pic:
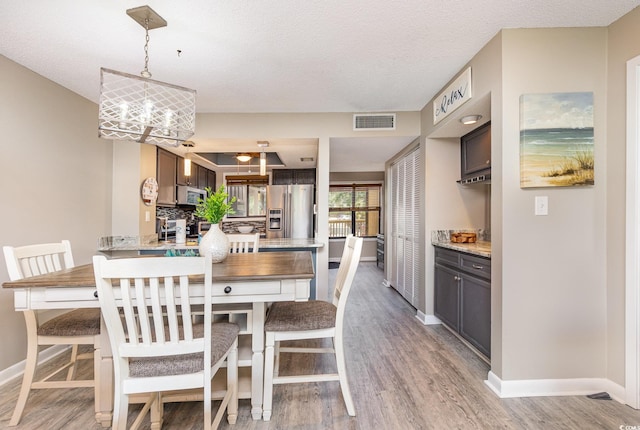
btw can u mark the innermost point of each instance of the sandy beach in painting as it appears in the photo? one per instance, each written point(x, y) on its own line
point(556, 157)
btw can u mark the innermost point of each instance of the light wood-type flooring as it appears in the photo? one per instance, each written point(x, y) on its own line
point(404, 375)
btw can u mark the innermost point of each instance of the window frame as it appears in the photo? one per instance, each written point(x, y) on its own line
point(353, 208)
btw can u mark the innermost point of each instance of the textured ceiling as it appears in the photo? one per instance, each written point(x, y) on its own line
point(280, 55)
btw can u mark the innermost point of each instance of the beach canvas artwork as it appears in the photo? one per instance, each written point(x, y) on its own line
point(556, 140)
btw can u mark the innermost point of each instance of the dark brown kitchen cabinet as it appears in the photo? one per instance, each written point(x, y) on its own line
point(166, 177)
point(211, 179)
point(202, 181)
point(462, 296)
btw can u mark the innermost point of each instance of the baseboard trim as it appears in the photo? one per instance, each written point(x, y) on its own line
point(553, 387)
point(17, 370)
point(427, 319)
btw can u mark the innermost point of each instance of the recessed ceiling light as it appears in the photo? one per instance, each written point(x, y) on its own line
point(470, 119)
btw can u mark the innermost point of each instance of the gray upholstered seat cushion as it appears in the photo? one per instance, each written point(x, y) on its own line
point(80, 322)
point(222, 337)
point(298, 316)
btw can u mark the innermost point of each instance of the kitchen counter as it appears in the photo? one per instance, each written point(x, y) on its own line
point(481, 248)
point(131, 246)
point(150, 243)
point(290, 243)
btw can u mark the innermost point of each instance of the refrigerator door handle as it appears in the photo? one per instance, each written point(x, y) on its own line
point(287, 214)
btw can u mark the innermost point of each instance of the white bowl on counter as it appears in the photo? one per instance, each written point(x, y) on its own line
point(245, 229)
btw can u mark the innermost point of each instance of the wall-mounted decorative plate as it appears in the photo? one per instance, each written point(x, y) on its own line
point(149, 191)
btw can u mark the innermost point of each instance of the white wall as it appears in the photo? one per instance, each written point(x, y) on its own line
point(622, 46)
point(55, 175)
point(552, 283)
point(553, 267)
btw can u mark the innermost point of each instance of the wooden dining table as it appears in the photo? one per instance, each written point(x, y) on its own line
point(253, 279)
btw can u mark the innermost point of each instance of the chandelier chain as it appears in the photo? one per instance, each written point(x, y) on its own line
point(145, 73)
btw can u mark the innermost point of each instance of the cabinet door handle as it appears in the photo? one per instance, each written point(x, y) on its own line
point(477, 266)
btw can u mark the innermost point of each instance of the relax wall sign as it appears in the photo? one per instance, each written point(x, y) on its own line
point(454, 96)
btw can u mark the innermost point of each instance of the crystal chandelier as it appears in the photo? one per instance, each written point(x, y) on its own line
point(141, 109)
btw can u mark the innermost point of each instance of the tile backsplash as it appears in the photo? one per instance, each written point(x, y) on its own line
point(227, 226)
point(445, 235)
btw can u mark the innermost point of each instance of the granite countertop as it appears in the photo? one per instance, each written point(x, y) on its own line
point(151, 243)
point(290, 243)
point(481, 248)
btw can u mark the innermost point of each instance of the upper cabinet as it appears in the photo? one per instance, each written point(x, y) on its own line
point(170, 172)
point(475, 155)
point(293, 176)
point(166, 177)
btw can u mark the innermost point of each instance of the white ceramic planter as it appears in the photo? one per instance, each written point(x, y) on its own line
point(216, 243)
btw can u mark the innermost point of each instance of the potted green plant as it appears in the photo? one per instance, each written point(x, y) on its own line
point(215, 206)
point(213, 209)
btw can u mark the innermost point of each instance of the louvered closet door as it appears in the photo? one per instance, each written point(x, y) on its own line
point(405, 214)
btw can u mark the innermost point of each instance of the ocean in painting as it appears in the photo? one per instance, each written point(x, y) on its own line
point(556, 157)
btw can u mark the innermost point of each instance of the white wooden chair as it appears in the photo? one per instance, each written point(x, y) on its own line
point(77, 327)
point(311, 320)
point(157, 347)
point(241, 243)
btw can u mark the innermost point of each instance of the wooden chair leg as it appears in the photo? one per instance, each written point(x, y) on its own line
point(157, 411)
point(276, 366)
point(97, 389)
point(232, 384)
point(267, 398)
point(71, 374)
point(120, 407)
point(30, 366)
point(342, 375)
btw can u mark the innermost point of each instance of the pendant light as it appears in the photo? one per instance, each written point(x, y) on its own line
point(187, 158)
point(140, 109)
point(263, 157)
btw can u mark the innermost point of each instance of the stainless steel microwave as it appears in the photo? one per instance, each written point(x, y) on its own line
point(189, 195)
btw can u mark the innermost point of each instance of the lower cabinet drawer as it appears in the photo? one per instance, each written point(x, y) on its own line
point(477, 266)
point(249, 289)
point(70, 294)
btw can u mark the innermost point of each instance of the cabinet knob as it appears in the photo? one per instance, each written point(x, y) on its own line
point(456, 278)
point(488, 162)
point(227, 289)
point(95, 294)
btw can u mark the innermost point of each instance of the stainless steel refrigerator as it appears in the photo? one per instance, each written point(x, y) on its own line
point(290, 211)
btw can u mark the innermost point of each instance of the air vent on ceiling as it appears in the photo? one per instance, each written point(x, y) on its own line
point(374, 121)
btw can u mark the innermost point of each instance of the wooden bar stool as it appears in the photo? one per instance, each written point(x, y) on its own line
point(77, 327)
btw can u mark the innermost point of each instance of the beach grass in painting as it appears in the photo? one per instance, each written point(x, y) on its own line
point(556, 140)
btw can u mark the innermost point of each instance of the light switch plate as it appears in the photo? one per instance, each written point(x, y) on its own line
point(542, 205)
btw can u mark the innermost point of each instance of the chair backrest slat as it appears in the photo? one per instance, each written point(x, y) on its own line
point(154, 296)
point(242, 243)
point(185, 307)
point(33, 260)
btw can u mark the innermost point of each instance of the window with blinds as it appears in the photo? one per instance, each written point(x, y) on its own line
point(250, 192)
point(403, 242)
point(354, 209)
